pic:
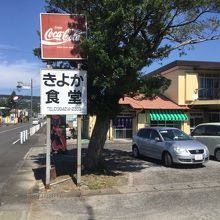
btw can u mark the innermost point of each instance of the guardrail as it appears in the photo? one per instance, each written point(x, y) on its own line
point(34, 129)
point(25, 134)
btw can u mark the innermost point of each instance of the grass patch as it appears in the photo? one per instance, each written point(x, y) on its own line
point(95, 182)
point(102, 177)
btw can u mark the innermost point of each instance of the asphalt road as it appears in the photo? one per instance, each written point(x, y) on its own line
point(11, 151)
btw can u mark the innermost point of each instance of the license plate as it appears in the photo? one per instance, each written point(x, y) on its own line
point(198, 157)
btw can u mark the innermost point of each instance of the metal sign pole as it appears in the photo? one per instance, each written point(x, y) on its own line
point(48, 153)
point(79, 145)
point(31, 114)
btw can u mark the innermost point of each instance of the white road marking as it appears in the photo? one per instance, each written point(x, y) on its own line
point(16, 141)
point(27, 154)
point(1, 132)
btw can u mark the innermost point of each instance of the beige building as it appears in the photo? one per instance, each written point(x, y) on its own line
point(197, 85)
point(139, 112)
point(192, 98)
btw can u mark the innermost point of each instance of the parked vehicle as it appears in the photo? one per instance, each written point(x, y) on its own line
point(35, 121)
point(209, 134)
point(70, 132)
point(170, 145)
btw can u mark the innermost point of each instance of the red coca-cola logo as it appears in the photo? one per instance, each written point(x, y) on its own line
point(54, 37)
point(61, 34)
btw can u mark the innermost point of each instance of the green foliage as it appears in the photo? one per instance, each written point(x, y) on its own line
point(2, 103)
point(10, 103)
point(152, 86)
point(23, 102)
point(125, 36)
point(37, 52)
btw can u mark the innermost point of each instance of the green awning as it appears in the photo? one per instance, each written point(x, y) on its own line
point(168, 115)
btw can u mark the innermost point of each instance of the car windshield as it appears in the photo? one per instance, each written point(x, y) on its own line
point(174, 135)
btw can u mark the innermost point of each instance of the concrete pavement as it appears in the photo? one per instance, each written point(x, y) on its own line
point(149, 177)
point(27, 188)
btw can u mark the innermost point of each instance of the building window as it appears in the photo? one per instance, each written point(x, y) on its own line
point(209, 86)
point(196, 118)
point(122, 126)
point(175, 124)
point(214, 116)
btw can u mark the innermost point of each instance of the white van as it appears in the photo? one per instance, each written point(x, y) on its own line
point(35, 121)
point(209, 134)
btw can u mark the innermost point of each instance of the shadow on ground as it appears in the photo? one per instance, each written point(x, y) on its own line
point(116, 162)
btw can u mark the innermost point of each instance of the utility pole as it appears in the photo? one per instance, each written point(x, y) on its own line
point(31, 114)
point(21, 85)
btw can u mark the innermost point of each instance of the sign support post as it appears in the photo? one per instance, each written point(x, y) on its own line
point(79, 145)
point(48, 166)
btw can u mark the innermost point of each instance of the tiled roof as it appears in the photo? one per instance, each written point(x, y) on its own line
point(160, 102)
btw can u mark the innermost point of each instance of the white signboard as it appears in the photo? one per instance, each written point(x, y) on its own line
point(63, 92)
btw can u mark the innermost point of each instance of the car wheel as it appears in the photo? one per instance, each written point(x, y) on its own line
point(217, 154)
point(167, 159)
point(135, 152)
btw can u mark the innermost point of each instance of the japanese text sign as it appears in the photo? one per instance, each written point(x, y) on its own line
point(61, 35)
point(63, 92)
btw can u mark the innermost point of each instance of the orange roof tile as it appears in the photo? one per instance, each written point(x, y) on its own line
point(160, 102)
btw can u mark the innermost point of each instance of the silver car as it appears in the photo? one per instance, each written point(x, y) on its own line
point(170, 145)
point(209, 134)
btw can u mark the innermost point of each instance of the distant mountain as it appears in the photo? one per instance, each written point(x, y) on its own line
point(21, 96)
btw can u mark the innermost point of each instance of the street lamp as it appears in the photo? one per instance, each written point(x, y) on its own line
point(15, 99)
point(20, 86)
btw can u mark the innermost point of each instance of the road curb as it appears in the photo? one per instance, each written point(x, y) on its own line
point(80, 192)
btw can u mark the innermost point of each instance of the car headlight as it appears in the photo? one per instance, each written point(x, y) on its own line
point(206, 151)
point(180, 150)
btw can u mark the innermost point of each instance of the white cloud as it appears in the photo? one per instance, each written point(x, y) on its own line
point(21, 70)
point(8, 47)
point(2, 56)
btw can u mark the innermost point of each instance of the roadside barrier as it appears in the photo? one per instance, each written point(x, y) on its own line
point(34, 129)
point(24, 134)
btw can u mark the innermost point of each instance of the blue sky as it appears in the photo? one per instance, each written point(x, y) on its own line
point(19, 23)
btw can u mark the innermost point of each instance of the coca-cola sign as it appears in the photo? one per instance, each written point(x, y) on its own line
point(61, 35)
